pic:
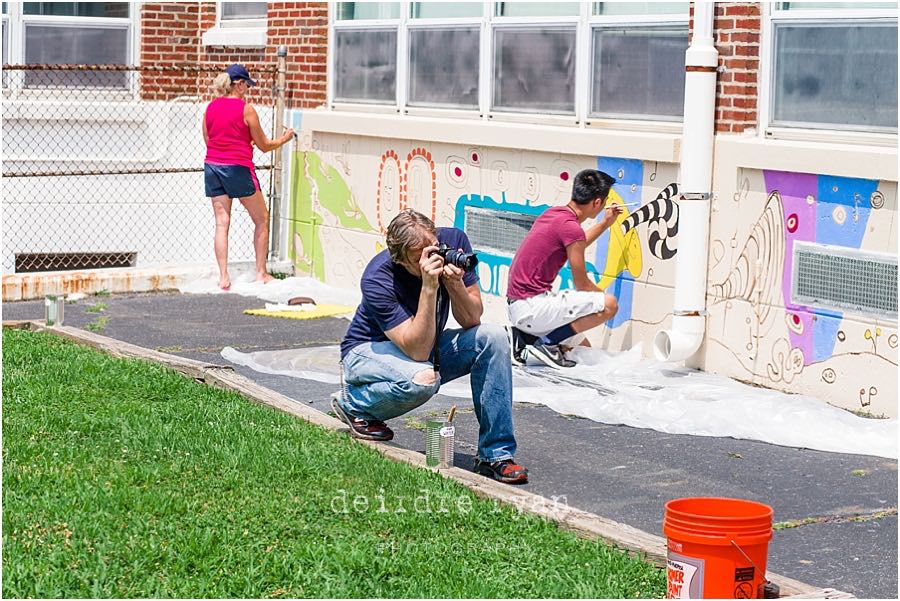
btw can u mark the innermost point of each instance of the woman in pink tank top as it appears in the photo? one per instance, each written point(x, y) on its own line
point(231, 128)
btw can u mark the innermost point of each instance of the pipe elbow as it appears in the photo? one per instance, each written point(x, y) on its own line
point(669, 345)
point(680, 342)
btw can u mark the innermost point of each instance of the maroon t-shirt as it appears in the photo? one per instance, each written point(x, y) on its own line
point(543, 253)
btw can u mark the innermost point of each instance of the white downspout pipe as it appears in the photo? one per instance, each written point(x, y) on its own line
point(689, 315)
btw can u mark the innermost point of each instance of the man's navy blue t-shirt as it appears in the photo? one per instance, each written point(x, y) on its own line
point(390, 294)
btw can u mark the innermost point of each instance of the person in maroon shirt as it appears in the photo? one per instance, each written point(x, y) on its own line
point(553, 322)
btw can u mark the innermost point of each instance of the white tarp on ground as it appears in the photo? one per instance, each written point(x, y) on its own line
point(624, 388)
point(278, 292)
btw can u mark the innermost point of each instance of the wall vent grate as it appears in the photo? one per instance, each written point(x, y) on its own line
point(498, 231)
point(845, 279)
point(38, 262)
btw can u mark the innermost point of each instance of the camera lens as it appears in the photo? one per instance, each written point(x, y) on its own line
point(465, 261)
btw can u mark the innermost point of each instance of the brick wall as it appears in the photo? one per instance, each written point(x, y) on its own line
point(737, 32)
point(172, 40)
point(303, 28)
point(169, 43)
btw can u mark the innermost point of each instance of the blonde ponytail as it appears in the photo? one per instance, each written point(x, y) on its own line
point(222, 84)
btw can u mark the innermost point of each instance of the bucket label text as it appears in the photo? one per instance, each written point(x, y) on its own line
point(684, 577)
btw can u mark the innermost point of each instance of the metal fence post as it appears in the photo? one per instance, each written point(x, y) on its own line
point(276, 196)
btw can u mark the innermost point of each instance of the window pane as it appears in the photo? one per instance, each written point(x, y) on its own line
point(538, 9)
point(77, 9)
point(534, 69)
point(366, 65)
point(639, 71)
point(53, 44)
point(244, 10)
point(441, 78)
point(348, 11)
point(446, 10)
point(839, 75)
point(831, 5)
point(642, 8)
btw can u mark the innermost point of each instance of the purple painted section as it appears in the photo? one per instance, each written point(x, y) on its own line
point(794, 189)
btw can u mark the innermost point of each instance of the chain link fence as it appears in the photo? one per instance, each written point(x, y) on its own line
point(103, 166)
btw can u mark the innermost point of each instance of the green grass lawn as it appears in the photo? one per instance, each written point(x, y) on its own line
point(125, 479)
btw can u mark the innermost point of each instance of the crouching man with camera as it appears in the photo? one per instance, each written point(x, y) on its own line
point(396, 353)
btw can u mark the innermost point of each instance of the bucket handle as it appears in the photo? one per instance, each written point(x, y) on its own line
point(747, 557)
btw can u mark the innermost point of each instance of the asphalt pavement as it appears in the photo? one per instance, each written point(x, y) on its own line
point(838, 512)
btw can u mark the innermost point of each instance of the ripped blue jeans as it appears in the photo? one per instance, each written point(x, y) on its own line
point(380, 383)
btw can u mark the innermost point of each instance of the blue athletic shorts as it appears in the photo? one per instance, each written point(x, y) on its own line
point(236, 181)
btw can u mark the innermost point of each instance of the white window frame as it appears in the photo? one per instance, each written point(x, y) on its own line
point(585, 22)
point(399, 24)
point(237, 33)
point(577, 22)
point(441, 23)
point(17, 21)
point(771, 16)
point(658, 123)
point(6, 25)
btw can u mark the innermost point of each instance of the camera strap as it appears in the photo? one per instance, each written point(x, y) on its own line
point(436, 351)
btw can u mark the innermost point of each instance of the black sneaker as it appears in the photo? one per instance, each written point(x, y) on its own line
point(550, 354)
point(361, 428)
point(517, 350)
point(503, 471)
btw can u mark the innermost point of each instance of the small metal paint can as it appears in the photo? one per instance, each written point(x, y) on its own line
point(439, 435)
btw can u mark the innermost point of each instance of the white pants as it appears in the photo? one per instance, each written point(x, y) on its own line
point(541, 314)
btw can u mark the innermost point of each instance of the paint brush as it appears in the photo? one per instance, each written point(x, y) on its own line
point(452, 414)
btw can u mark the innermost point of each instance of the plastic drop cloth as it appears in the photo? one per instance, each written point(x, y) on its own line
point(624, 388)
point(278, 292)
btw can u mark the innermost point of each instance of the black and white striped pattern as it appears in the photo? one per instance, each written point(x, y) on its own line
point(662, 215)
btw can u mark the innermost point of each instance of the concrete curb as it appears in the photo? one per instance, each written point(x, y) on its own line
point(28, 286)
point(584, 524)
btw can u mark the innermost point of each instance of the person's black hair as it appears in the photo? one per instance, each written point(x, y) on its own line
point(590, 184)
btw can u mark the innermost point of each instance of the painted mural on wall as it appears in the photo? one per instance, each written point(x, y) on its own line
point(322, 204)
point(345, 189)
point(619, 249)
point(755, 328)
point(329, 202)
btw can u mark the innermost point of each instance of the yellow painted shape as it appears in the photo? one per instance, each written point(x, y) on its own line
point(319, 311)
point(624, 249)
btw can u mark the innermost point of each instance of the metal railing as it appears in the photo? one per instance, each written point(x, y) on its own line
point(105, 161)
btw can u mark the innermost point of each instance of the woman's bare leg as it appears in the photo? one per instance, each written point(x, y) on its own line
point(256, 206)
point(222, 209)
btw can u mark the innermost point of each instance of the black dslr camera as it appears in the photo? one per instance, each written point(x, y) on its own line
point(451, 256)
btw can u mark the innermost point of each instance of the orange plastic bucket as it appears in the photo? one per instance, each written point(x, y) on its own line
point(717, 548)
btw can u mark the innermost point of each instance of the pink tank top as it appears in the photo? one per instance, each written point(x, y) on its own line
point(229, 136)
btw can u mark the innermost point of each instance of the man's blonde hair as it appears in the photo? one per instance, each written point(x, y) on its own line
point(409, 229)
